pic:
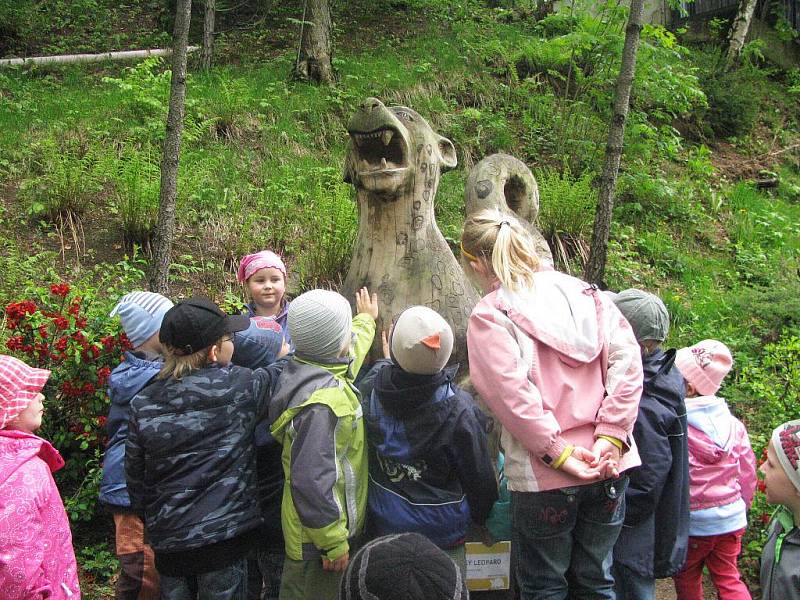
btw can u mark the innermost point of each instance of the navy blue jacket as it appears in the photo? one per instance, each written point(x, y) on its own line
point(654, 537)
point(429, 464)
point(128, 379)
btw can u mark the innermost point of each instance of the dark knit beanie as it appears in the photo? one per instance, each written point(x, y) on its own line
point(406, 566)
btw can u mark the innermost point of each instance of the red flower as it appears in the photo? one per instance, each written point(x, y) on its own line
point(61, 322)
point(43, 331)
point(19, 310)
point(12, 324)
point(61, 344)
point(101, 421)
point(74, 308)
point(125, 342)
point(80, 323)
point(88, 388)
point(761, 486)
point(59, 289)
point(764, 518)
point(102, 375)
point(15, 343)
point(108, 342)
point(79, 337)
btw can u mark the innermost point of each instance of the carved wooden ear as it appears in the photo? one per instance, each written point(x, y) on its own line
point(448, 153)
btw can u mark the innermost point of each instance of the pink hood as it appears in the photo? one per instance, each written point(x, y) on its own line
point(36, 555)
point(721, 463)
point(557, 365)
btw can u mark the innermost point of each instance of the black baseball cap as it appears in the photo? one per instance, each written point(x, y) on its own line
point(198, 323)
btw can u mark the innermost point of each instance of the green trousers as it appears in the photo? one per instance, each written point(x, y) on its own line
point(306, 580)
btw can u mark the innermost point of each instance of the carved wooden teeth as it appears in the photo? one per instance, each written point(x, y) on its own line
point(383, 163)
point(386, 136)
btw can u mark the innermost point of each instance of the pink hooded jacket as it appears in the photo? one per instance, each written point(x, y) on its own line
point(557, 365)
point(36, 555)
point(722, 466)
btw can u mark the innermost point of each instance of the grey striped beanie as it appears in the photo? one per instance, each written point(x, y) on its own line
point(405, 566)
point(319, 323)
point(141, 314)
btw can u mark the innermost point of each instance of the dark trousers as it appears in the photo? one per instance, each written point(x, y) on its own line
point(563, 540)
point(228, 583)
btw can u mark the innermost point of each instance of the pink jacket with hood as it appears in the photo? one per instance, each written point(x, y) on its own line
point(722, 467)
point(36, 555)
point(557, 365)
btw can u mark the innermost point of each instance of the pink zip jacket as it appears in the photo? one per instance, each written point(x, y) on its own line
point(36, 555)
point(722, 466)
point(557, 365)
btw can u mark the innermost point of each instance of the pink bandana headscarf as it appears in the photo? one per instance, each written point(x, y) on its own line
point(19, 384)
point(260, 260)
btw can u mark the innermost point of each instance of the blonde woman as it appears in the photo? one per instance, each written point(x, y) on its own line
point(560, 368)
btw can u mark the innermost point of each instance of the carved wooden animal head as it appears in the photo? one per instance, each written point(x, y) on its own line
point(390, 146)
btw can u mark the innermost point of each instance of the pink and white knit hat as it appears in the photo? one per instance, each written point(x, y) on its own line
point(704, 365)
point(260, 260)
point(786, 443)
point(19, 384)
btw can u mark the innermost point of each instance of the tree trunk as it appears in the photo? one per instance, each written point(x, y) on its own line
point(316, 45)
point(208, 32)
point(596, 265)
point(64, 59)
point(165, 227)
point(739, 29)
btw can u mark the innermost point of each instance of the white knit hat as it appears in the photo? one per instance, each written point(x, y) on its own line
point(786, 443)
point(421, 341)
point(141, 314)
point(319, 323)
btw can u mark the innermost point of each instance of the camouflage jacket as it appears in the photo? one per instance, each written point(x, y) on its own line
point(190, 455)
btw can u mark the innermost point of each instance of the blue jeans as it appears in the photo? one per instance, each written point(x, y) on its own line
point(630, 585)
point(228, 583)
point(563, 540)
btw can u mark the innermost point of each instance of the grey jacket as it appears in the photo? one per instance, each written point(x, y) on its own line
point(780, 560)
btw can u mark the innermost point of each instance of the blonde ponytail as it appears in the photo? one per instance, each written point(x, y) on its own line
point(503, 244)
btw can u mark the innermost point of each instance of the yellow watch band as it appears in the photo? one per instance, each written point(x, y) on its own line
point(611, 440)
point(564, 456)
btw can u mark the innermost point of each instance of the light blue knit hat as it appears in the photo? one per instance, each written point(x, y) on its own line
point(141, 314)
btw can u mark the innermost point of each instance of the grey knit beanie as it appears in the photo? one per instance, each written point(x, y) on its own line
point(421, 341)
point(405, 566)
point(646, 314)
point(141, 314)
point(319, 323)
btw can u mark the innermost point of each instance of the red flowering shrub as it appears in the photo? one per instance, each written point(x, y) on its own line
point(80, 344)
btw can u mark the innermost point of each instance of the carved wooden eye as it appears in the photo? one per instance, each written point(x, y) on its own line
point(405, 116)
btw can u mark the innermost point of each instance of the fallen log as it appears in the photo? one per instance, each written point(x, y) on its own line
point(85, 58)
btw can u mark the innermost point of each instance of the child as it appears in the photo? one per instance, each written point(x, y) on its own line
point(654, 537)
point(560, 368)
point(264, 276)
point(406, 566)
point(36, 556)
point(261, 344)
point(190, 456)
point(140, 314)
point(780, 560)
point(429, 465)
point(722, 476)
point(316, 416)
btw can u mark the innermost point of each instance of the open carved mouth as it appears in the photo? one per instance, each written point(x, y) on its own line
point(380, 150)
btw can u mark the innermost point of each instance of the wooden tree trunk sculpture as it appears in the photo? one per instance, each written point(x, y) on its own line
point(504, 182)
point(394, 161)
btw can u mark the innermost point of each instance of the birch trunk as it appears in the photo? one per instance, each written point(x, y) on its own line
point(739, 29)
point(165, 227)
point(316, 45)
point(64, 59)
point(208, 33)
point(596, 265)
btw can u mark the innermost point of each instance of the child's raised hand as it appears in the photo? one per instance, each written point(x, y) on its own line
point(387, 350)
point(366, 303)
